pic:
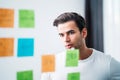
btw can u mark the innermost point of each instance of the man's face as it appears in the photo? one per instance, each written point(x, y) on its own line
point(70, 35)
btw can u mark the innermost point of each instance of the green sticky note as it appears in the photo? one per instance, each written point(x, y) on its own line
point(72, 57)
point(73, 76)
point(25, 75)
point(26, 19)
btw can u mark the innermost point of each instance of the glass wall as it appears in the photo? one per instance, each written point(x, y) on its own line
point(111, 12)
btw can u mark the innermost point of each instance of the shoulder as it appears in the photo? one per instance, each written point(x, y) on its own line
point(101, 56)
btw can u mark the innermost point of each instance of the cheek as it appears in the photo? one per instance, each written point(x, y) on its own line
point(62, 40)
point(76, 40)
point(77, 43)
point(79, 40)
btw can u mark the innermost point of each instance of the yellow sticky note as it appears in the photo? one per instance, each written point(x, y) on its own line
point(6, 46)
point(6, 18)
point(48, 63)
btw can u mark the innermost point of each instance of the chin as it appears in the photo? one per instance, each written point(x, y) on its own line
point(67, 48)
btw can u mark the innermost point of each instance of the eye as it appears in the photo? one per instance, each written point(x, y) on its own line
point(71, 32)
point(61, 35)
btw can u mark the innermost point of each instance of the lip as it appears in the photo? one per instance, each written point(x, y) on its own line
point(68, 46)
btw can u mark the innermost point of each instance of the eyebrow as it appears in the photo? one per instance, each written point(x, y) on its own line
point(69, 31)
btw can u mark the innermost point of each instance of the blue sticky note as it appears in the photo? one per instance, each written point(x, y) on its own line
point(25, 47)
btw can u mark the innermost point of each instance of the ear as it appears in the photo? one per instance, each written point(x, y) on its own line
point(84, 32)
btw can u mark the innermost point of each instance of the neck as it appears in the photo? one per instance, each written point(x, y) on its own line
point(84, 53)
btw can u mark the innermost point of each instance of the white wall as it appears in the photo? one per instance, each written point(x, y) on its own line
point(45, 35)
point(112, 28)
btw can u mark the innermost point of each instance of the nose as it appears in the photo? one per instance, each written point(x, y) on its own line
point(66, 38)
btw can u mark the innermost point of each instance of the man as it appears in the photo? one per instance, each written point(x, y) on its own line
point(92, 64)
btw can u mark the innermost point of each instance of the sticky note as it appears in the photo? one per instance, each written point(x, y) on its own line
point(72, 57)
point(6, 47)
point(73, 76)
point(25, 47)
point(25, 75)
point(6, 18)
point(48, 63)
point(26, 19)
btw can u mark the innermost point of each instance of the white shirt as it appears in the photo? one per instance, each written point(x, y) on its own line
point(98, 66)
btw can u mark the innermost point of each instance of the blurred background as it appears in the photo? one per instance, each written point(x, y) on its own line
point(103, 23)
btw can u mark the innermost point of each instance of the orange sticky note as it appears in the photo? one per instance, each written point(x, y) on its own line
point(6, 18)
point(6, 47)
point(48, 63)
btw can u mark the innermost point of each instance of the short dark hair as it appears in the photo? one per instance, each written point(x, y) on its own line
point(70, 16)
